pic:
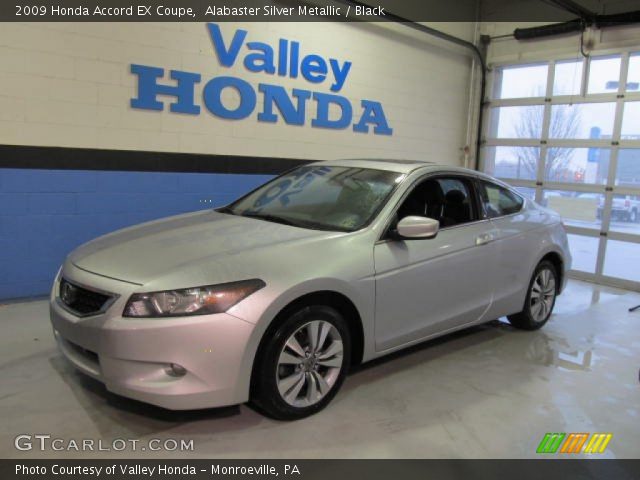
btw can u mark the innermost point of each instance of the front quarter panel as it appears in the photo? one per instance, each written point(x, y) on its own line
point(344, 266)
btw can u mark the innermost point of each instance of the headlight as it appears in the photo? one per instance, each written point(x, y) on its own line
point(191, 301)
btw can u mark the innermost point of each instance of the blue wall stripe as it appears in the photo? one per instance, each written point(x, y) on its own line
point(44, 214)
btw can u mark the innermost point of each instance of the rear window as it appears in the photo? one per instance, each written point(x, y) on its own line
point(498, 201)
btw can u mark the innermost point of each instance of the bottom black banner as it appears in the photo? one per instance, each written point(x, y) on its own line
point(200, 469)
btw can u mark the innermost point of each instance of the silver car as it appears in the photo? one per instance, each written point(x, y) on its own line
point(272, 298)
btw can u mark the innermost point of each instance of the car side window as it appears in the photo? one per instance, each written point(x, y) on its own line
point(446, 199)
point(498, 201)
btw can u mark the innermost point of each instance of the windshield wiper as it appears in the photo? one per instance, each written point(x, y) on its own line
point(225, 210)
point(293, 223)
point(272, 218)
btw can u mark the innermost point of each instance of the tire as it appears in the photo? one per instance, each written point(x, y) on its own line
point(536, 313)
point(633, 216)
point(289, 383)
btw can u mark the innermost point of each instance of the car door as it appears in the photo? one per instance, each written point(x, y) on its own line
point(428, 286)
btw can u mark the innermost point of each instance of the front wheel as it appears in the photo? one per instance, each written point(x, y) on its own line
point(302, 364)
point(540, 300)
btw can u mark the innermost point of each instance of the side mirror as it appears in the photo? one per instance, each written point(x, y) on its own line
point(414, 227)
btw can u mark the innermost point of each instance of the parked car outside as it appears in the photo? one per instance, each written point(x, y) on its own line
point(624, 208)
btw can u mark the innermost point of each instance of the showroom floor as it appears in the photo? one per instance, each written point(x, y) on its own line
point(487, 392)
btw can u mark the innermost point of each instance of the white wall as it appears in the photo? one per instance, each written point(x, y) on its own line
point(69, 84)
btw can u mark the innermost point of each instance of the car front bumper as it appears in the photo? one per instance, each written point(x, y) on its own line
point(132, 357)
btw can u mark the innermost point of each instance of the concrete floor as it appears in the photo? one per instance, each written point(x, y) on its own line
point(488, 392)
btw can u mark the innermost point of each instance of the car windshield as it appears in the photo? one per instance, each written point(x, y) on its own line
point(320, 197)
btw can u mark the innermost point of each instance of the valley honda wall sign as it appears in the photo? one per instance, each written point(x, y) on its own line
point(284, 60)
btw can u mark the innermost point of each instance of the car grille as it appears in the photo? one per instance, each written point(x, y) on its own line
point(82, 301)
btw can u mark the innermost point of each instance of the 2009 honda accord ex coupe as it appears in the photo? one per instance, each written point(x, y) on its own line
point(272, 298)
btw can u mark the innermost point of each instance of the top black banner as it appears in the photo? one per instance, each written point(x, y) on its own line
point(308, 10)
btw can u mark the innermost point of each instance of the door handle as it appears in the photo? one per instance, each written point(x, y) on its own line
point(484, 238)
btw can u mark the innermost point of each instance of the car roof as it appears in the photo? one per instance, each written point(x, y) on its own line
point(397, 165)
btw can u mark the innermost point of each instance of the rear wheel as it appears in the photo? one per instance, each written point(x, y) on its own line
point(302, 364)
point(541, 298)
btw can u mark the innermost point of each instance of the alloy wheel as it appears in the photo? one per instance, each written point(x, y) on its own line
point(309, 363)
point(543, 292)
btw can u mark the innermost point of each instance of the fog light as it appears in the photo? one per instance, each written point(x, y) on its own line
point(175, 370)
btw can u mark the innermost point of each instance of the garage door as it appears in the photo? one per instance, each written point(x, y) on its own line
point(566, 133)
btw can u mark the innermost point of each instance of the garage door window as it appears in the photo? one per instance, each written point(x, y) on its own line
point(577, 165)
point(517, 122)
point(568, 77)
point(514, 162)
point(604, 74)
point(631, 120)
point(633, 77)
point(520, 81)
point(586, 121)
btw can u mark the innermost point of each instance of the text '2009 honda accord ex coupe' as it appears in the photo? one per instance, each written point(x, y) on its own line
point(272, 298)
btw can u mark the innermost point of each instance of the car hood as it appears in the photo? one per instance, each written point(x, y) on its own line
point(143, 253)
